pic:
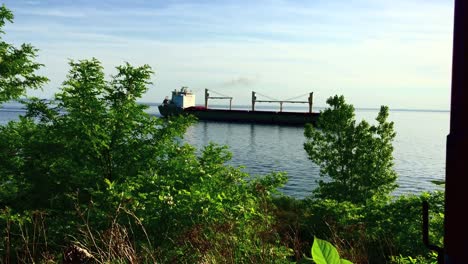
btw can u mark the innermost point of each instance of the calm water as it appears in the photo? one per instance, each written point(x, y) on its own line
point(419, 147)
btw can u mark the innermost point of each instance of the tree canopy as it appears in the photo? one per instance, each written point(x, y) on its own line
point(356, 157)
point(17, 66)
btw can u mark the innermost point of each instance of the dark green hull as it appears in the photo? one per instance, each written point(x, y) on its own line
point(242, 116)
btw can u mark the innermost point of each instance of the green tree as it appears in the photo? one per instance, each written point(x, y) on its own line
point(357, 157)
point(17, 66)
point(95, 152)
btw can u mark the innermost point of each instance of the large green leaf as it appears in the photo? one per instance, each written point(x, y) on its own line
point(324, 253)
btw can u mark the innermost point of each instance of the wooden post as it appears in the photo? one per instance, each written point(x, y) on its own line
point(311, 99)
point(456, 226)
point(254, 98)
point(230, 104)
point(281, 106)
point(207, 95)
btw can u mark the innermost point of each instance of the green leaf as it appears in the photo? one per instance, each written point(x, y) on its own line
point(324, 253)
point(109, 184)
point(345, 261)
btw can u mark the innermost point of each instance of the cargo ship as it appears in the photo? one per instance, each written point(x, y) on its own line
point(183, 102)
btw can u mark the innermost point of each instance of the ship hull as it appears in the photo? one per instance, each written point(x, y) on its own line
point(242, 116)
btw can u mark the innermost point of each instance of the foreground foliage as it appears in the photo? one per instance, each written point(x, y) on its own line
point(103, 175)
point(325, 253)
point(356, 157)
point(377, 232)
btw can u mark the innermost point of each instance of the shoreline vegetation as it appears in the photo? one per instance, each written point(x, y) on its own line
point(90, 177)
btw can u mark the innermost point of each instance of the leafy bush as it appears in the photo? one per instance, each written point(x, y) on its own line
point(376, 232)
point(357, 158)
point(101, 169)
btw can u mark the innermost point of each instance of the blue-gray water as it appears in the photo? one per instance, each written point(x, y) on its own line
point(419, 147)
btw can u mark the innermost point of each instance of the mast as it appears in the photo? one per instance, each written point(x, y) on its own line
point(311, 100)
point(254, 98)
point(207, 97)
point(281, 102)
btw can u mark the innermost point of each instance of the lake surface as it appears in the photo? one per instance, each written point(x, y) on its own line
point(419, 147)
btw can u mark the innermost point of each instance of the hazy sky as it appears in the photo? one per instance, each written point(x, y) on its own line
point(374, 52)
